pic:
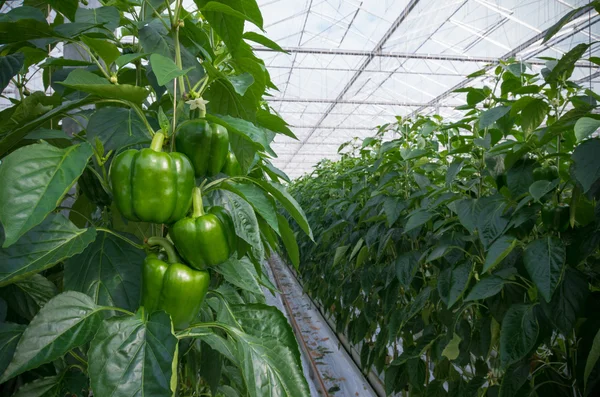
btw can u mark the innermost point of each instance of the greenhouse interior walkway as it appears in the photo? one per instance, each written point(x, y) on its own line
point(328, 367)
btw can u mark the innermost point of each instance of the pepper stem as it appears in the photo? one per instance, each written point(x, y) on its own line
point(157, 142)
point(166, 245)
point(197, 202)
point(202, 112)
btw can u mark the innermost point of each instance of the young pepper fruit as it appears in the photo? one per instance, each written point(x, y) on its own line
point(204, 239)
point(232, 166)
point(556, 217)
point(152, 186)
point(205, 144)
point(172, 287)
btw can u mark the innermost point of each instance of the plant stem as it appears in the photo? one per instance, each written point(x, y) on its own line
point(197, 202)
point(157, 142)
point(105, 230)
point(166, 245)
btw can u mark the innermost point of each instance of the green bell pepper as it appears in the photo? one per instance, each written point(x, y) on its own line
point(205, 144)
point(204, 239)
point(232, 166)
point(172, 287)
point(545, 173)
point(151, 186)
point(556, 217)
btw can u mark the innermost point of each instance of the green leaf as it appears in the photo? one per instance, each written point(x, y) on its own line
point(491, 223)
point(289, 203)
point(592, 358)
point(165, 69)
point(244, 128)
point(453, 170)
point(34, 181)
point(485, 288)
point(274, 123)
point(452, 350)
point(66, 7)
point(260, 39)
point(24, 29)
point(518, 334)
point(498, 251)
point(85, 81)
point(587, 163)
point(154, 38)
point(28, 296)
point(108, 51)
point(268, 352)
point(406, 268)
point(109, 270)
point(416, 219)
point(229, 27)
point(544, 260)
point(554, 29)
point(490, 116)
point(68, 321)
point(245, 222)
point(585, 127)
point(9, 337)
point(241, 82)
point(107, 16)
point(42, 247)
point(515, 377)
point(534, 114)
point(12, 137)
point(565, 66)
point(134, 356)
point(216, 7)
point(10, 65)
point(289, 241)
point(241, 273)
point(455, 284)
point(568, 301)
point(117, 128)
point(128, 58)
point(339, 254)
point(539, 189)
point(262, 203)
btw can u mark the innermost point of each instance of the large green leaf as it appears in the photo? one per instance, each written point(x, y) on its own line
point(490, 116)
point(68, 321)
point(533, 114)
point(544, 260)
point(585, 127)
point(241, 82)
point(268, 352)
point(132, 356)
point(592, 359)
point(452, 283)
point(274, 123)
point(289, 241)
point(586, 163)
point(407, 265)
point(491, 222)
point(26, 297)
point(260, 39)
point(66, 7)
point(14, 135)
point(165, 69)
point(565, 66)
point(259, 200)
point(241, 273)
point(85, 81)
point(279, 191)
point(515, 377)
point(229, 27)
point(54, 240)
point(568, 301)
point(416, 219)
point(108, 51)
point(10, 65)
point(519, 333)
point(245, 222)
point(9, 337)
point(498, 251)
point(34, 180)
point(109, 17)
point(453, 170)
point(244, 128)
point(109, 270)
point(117, 128)
point(23, 29)
point(486, 287)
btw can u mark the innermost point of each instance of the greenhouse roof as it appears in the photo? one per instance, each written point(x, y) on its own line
point(354, 65)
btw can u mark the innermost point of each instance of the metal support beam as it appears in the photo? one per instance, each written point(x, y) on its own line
point(410, 6)
point(353, 102)
point(381, 54)
point(327, 69)
point(510, 54)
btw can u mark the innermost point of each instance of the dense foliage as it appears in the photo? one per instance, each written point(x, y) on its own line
point(77, 180)
point(463, 258)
